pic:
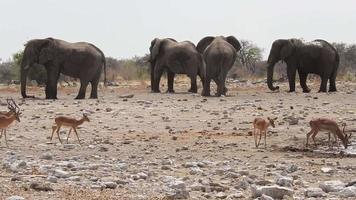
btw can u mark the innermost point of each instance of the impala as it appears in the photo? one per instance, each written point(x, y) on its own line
point(262, 126)
point(7, 118)
point(68, 122)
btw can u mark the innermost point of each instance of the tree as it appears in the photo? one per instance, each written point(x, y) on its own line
point(37, 72)
point(249, 55)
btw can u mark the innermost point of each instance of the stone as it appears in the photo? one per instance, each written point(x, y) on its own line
point(265, 197)
point(284, 181)
point(221, 195)
point(177, 190)
point(47, 156)
point(197, 187)
point(347, 192)
point(121, 166)
point(314, 192)
point(236, 195)
point(38, 186)
point(274, 191)
point(327, 170)
point(332, 186)
point(15, 198)
point(110, 185)
point(52, 179)
point(60, 173)
point(195, 170)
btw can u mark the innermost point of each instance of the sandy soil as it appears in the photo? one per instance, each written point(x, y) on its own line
point(137, 143)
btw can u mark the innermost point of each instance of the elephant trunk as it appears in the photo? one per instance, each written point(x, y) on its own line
point(24, 72)
point(270, 69)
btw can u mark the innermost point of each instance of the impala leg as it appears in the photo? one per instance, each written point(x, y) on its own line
point(59, 138)
point(54, 128)
point(70, 130)
point(259, 140)
point(76, 133)
point(254, 136)
point(5, 138)
point(265, 138)
point(313, 136)
point(308, 135)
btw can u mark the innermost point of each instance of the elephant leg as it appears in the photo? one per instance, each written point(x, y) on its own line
point(94, 89)
point(193, 84)
point(332, 84)
point(221, 85)
point(324, 82)
point(82, 90)
point(51, 86)
point(170, 78)
point(291, 72)
point(303, 82)
point(157, 78)
point(206, 87)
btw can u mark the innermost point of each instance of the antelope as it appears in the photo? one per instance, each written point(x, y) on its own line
point(324, 124)
point(68, 122)
point(262, 125)
point(6, 118)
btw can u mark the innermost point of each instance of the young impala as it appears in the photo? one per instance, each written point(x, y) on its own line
point(324, 124)
point(262, 125)
point(68, 122)
point(7, 118)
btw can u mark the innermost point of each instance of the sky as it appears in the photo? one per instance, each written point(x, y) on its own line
point(125, 28)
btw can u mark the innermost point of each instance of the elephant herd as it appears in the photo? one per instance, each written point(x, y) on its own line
point(211, 59)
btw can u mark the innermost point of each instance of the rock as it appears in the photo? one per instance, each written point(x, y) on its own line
point(69, 146)
point(242, 184)
point(275, 191)
point(265, 197)
point(52, 179)
point(314, 192)
point(347, 192)
point(195, 170)
point(332, 186)
point(327, 170)
point(284, 181)
point(221, 195)
point(60, 173)
point(197, 187)
point(110, 185)
point(121, 166)
point(177, 190)
point(236, 195)
point(108, 109)
point(291, 168)
point(293, 120)
point(15, 198)
point(126, 96)
point(38, 186)
point(47, 156)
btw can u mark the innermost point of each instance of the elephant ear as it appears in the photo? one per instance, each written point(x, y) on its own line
point(154, 49)
point(234, 42)
point(287, 49)
point(203, 43)
point(46, 52)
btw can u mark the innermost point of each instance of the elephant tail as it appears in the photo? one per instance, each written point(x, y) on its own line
point(104, 63)
point(103, 59)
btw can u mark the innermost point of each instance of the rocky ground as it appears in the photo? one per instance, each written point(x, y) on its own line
point(172, 146)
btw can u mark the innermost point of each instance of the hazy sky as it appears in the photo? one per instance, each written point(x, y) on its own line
point(125, 28)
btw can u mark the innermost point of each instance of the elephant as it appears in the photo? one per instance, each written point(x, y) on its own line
point(78, 60)
point(176, 58)
point(219, 54)
point(317, 57)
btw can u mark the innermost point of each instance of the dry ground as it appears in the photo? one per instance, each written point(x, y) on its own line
point(145, 131)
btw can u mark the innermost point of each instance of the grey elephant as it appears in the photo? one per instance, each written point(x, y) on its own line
point(175, 58)
point(78, 60)
point(219, 54)
point(316, 57)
